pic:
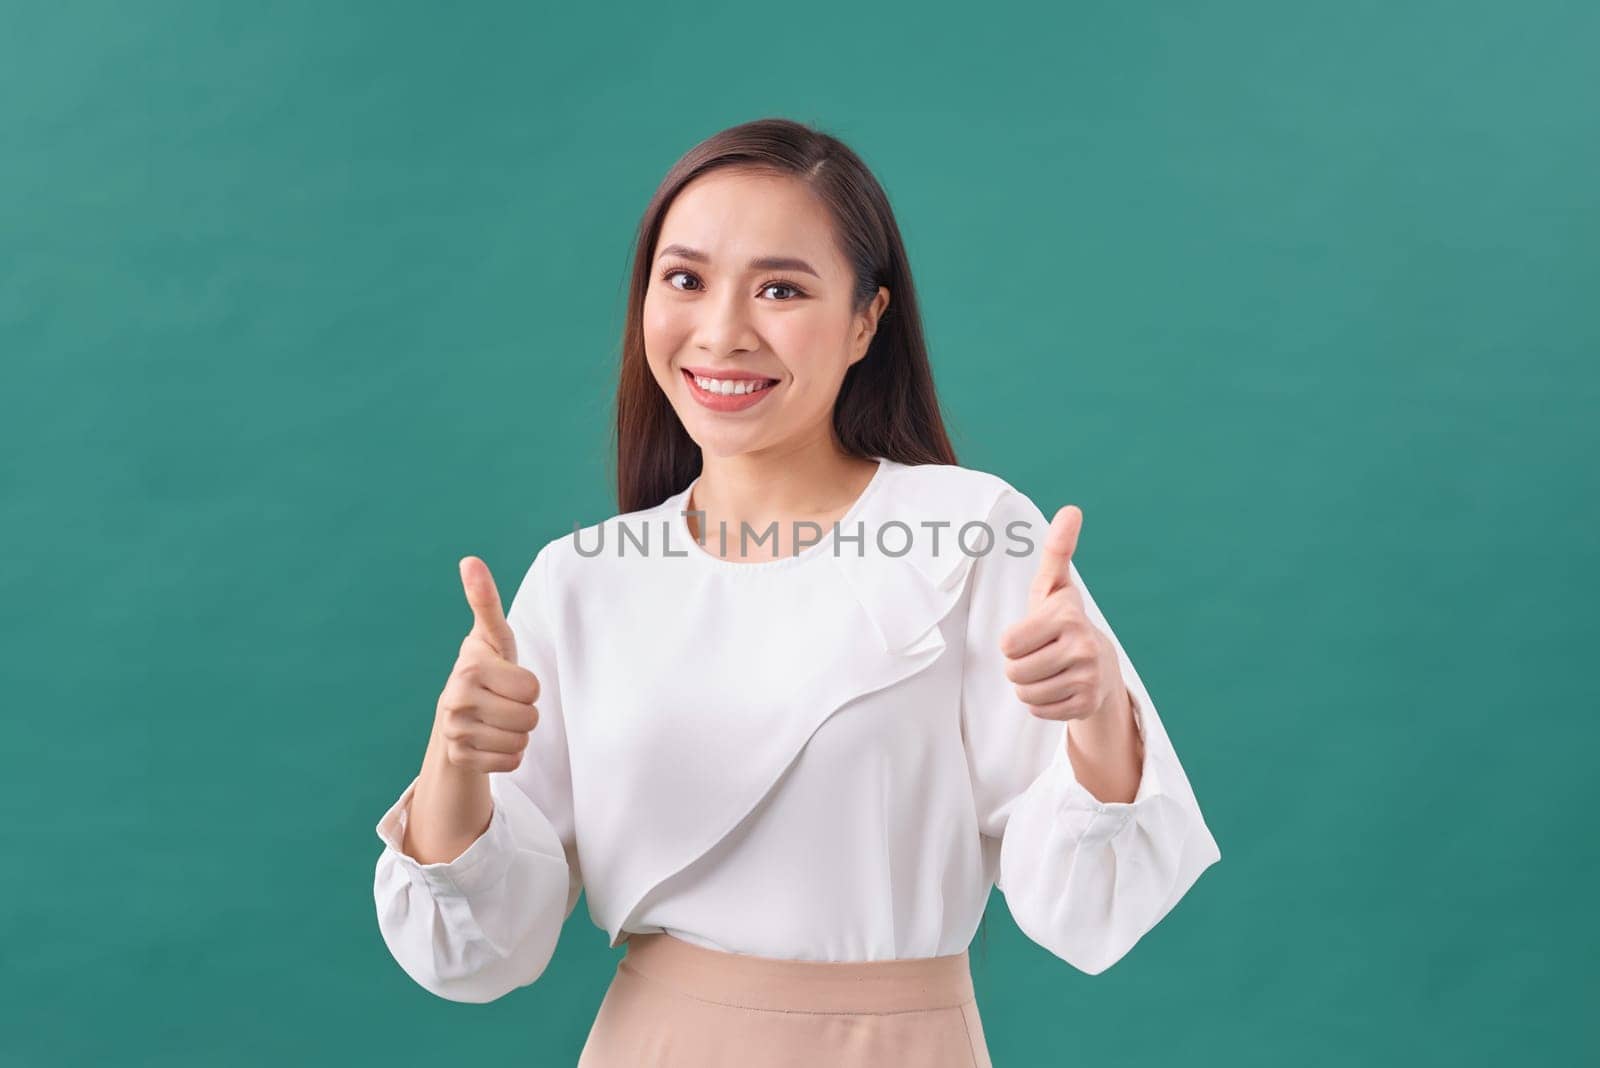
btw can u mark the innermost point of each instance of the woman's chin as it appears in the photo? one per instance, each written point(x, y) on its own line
point(724, 445)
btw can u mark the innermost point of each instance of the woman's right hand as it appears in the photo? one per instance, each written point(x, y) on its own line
point(486, 711)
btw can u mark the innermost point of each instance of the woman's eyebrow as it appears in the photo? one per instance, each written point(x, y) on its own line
point(760, 263)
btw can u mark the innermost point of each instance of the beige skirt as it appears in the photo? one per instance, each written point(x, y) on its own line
point(675, 1004)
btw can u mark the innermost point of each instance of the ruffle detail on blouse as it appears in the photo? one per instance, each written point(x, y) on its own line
point(861, 621)
point(906, 596)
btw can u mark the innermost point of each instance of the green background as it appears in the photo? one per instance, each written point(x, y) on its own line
point(300, 303)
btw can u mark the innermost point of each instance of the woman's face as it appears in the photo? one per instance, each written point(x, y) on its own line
point(747, 280)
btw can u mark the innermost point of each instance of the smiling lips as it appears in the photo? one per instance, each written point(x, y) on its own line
point(731, 393)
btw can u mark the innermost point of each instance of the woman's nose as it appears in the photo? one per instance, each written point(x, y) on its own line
point(725, 326)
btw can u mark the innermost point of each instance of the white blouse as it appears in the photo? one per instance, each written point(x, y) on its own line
point(814, 757)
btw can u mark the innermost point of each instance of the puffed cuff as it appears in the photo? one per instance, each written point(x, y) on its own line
point(483, 864)
point(1102, 820)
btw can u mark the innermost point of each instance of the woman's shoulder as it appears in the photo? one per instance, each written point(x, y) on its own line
point(643, 529)
point(937, 478)
point(956, 493)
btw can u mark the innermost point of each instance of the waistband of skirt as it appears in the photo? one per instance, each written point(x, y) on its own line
point(739, 979)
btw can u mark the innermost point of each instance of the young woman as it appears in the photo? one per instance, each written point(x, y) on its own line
point(815, 689)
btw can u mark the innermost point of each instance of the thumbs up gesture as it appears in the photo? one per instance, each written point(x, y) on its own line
point(486, 711)
point(1062, 665)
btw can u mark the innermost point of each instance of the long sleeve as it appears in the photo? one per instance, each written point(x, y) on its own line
point(1083, 878)
point(477, 927)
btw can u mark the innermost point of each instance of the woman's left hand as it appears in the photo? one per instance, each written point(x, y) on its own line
point(1062, 665)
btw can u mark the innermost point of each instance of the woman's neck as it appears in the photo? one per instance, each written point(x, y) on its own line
point(815, 484)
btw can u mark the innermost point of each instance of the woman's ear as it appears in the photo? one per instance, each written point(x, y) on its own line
point(867, 324)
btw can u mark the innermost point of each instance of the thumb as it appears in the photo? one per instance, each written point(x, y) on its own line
point(1055, 555)
point(488, 621)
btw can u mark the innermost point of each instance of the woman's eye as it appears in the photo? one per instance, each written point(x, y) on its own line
point(794, 292)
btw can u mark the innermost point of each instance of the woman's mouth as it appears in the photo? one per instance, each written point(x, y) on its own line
point(728, 394)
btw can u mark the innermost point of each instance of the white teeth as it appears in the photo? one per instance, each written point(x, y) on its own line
point(728, 386)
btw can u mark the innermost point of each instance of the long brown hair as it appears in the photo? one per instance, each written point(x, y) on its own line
point(887, 405)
